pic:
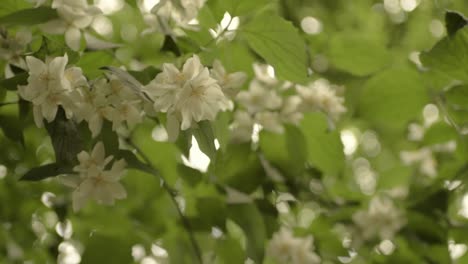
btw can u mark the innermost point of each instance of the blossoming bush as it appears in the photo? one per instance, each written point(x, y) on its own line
point(233, 131)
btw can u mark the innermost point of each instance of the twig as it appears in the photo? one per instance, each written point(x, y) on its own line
point(169, 190)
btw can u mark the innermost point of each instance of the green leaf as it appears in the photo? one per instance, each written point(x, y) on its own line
point(448, 56)
point(102, 248)
point(91, 62)
point(280, 44)
point(358, 54)
point(146, 75)
point(164, 156)
point(454, 21)
point(235, 7)
point(65, 137)
point(438, 133)
point(189, 175)
point(221, 128)
point(297, 147)
point(134, 163)
point(44, 172)
point(12, 83)
point(240, 168)
point(325, 150)
point(12, 127)
point(392, 98)
point(229, 251)
point(457, 96)
point(250, 220)
point(205, 138)
point(29, 17)
point(54, 46)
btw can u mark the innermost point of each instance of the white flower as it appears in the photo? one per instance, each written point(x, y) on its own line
point(13, 46)
point(74, 16)
point(382, 219)
point(229, 82)
point(168, 12)
point(96, 160)
point(265, 74)
point(269, 121)
point(48, 87)
point(242, 127)
point(290, 112)
point(259, 98)
point(108, 100)
point(424, 157)
point(320, 95)
point(187, 96)
point(303, 254)
point(93, 181)
point(200, 99)
point(285, 248)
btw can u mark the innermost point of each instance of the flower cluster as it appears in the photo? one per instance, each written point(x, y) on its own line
point(108, 100)
point(321, 95)
point(271, 103)
point(94, 180)
point(285, 248)
point(382, 219)
point(74, 17)
point(191, 94)
point(169, 14)
point(12, 46)
point(49, 86)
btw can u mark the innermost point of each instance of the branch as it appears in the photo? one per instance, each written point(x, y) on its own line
point(171, 193)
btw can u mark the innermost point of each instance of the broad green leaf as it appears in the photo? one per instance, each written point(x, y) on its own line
point(392, 98)
point(457, 96)
point(91, 62)
point(146, 75)
point(297, 147)
point(395, 177)
point(454, 21)
point(65, 138)
point(11, 6)
point(229, 251)
point(205, 138)
point(274, 148)
point(239, 167)
point(358, 54)
point(107, 249)
point(44, 172)
point(324, 147)
point(235, 7)
point(448, 56)
point(211, 211)
point(280, 44)
point(54, 46)
point(164, 156)
point(189, 175)
point(133, 162)
point(29, 17)
point(12, 83)
point(250, 220)
point(221, 128)
point(12, 127)
point(438, 133)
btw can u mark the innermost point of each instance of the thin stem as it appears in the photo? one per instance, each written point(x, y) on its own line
point(171, 193)
point(8, 103)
